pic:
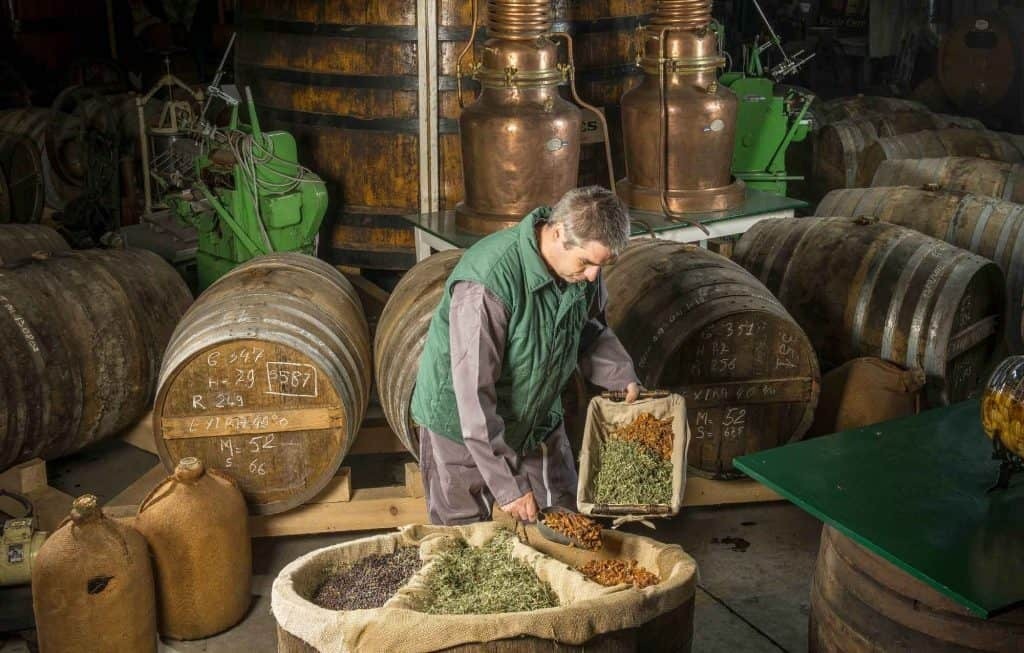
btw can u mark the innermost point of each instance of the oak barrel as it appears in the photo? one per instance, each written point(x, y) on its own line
point(400, 338)
point(700, 325)
point(860, 287)
point(81, 335)
point(267, 378)
point(840, 144)
point(998, 179)
point(343, 77)
point(979, 64)
point(21, 241)
point(401, 335)
point(988, 227)
point(61, 157)
point(858, 106)
point(997, 146)
point(863, 603)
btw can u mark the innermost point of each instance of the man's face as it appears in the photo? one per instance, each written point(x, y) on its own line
point(575, 263)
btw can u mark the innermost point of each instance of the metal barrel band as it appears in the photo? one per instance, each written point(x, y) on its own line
point(513, 78)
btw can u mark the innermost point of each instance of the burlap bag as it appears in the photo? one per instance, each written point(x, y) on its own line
point(586, 609)
point(604, 416)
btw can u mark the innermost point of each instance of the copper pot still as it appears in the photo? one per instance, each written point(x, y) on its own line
point(520, 138)
point(679, 124)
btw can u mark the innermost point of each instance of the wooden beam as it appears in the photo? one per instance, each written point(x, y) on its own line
point(24, 477)
point(413, 480)
point(706, 492)
point(369, 509)
point(140, 436)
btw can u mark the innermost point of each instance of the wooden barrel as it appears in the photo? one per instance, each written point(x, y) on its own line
point(998, 179)
point(988, 227)
point(978, 62)
point(22, 167)
point(860, 287)
point(21, 241)
point(862, 602)
point(267, 378)
point(840, 145)
point(939, 143)
point(62, 165)
point(698, 324)
point(344, 79)
point(858, 106)
point(401, 336)
point(82, 335)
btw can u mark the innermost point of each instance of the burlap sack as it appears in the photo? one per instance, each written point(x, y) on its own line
point(604, 416)
point(866, 391)
point(586, 609)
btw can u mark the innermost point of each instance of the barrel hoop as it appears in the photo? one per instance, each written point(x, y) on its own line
point(954, 222)
point(1015, 281)
point(408, 33)
point(399, 125)
point(766, 270)
point(406, 82)
point(936, 357)
point(899, 293)
point(917, 325)
point(867, 288)
point(850, 150)
point(979, 226)
point(876, 210)
point(1012, 177)
point(1009, 222)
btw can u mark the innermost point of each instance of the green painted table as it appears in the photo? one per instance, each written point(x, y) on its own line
point(914, 491)
point(437, 231)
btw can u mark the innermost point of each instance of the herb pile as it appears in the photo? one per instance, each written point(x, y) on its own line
point(369, 582)
point(614, 572)
point(636, 464)
point(579, 528)
point(484, 580)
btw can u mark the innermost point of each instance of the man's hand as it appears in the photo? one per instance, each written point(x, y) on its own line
point(524, 508)
point(632, 392)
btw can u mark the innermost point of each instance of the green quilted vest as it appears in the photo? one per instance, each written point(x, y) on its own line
point(542, 345)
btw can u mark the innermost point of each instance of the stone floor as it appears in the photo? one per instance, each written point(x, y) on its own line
point(755, 565)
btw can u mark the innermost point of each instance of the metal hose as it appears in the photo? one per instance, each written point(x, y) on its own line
point(519, 19)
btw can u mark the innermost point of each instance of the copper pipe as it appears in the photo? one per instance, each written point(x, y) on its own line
point(593, 109)
point(462, 55)
point(663, 146)
point(682, 14)
point(519, 19)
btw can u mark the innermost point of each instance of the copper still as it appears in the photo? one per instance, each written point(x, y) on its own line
point(196, 524)
point(679, 124)
point(520, 138)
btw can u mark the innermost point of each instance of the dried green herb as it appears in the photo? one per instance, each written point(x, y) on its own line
point(631, 473)
point(368, 582)
point(484, 580)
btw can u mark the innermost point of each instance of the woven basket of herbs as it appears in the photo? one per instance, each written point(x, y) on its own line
point(633, 456)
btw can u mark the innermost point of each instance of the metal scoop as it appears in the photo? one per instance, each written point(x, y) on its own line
point(551, 534)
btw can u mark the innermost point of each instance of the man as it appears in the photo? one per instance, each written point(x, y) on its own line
point(510, 329)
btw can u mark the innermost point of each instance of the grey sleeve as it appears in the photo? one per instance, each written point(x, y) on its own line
point(478, 326)
point(603, 360)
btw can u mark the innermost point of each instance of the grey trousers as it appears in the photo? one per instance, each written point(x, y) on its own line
point(457, 493)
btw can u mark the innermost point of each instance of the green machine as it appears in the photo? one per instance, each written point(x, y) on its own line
point(247, 195)
point(769, 117)
point(251, 197)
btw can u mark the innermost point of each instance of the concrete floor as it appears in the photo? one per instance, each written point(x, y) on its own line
point(755, 564)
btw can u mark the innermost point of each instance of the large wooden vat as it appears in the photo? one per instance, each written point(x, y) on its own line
point(998, 179)
point(267, 378)
point(698, 324)
point(344, 78)
point(985, 226)
point(401, 335)
point(839, 145)
point(21, 241)
point(62, 162)
point(860, 287)
point(861, 603)
point(82, 336)
point(997, 146)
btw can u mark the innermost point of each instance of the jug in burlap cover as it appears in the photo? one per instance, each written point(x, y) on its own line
point(196, 524)
point(92, 586)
